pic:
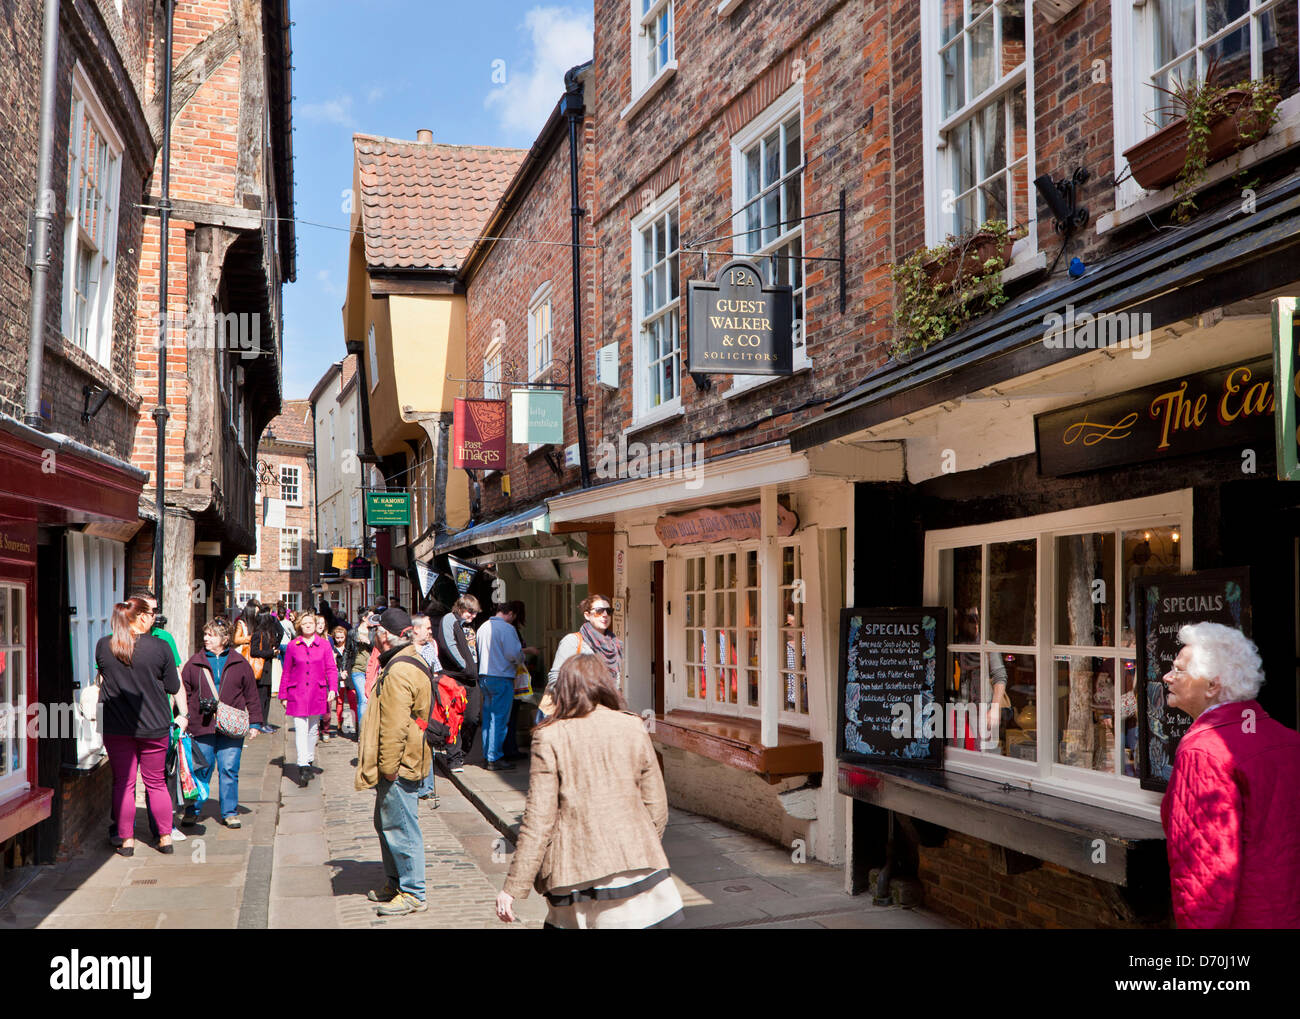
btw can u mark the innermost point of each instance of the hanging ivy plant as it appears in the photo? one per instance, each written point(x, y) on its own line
point(938, 290)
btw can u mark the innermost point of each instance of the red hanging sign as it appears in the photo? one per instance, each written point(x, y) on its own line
point(479, 434)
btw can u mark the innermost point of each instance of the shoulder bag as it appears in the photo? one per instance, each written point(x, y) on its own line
point(232, 722)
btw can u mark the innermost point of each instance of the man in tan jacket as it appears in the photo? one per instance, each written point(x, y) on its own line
point(393, 758)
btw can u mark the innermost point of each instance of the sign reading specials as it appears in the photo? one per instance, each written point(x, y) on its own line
point(738, 326)
point(537, 415)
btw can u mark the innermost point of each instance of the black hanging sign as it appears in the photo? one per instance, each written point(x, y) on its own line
point(891, 692)
point(1166, 604)
point(738, 326)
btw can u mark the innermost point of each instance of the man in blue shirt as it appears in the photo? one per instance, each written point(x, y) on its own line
point(499, 654)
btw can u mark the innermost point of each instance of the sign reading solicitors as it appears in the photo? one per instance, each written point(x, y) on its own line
point(1209, 410)
point(737, 326)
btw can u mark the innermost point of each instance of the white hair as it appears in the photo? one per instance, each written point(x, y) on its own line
point(1220, 651)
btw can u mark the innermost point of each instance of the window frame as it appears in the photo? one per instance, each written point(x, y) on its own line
point(255, 560)
point(292, 600)
point(374, 357)
point(297, 483)
point(295, 548)
point(99, 318)
point(937, 167)
point(492, 366)
point(13, 710)
point(643, 77)
point(543, 297)
point(1101, 789)
point(753, 133)
point(642, 412)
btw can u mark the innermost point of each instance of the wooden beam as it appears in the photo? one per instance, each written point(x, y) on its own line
point(769, 565)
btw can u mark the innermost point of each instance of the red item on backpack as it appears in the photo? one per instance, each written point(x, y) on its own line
point(448, 710)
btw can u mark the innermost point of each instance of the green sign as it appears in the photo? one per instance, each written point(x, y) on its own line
point(1284, 405)
point(388, 509)
point(537, 415)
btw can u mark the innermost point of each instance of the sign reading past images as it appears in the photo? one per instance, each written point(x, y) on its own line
point(723, 523)
point(738, 326)
point(388, 509)
point(891, 691)
point(1166, 604)
point(1221, 407)
point(478, 434)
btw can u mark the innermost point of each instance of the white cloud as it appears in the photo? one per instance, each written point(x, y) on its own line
point(332, 111)
point(560, 39)
point(375, 93)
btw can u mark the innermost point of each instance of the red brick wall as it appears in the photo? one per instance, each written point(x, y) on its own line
point(270, 580)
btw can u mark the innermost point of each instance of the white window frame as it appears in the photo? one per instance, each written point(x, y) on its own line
point(492, 370)
point(539, 370)
point(1132, 67)
point(333, 454)
point(13, 710)
point(354, 533)
point(374, 358)
point(292, 600)
point(940, 217)
point(642, 410)
point(243, 597)
point(648, 74)
point(297, 484)
point(255, 560)
point(1099, 789)
point(675, 581)
point(290, 548)
point(98, 314)
point(746, 138)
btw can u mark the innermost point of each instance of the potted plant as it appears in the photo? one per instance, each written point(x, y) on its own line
point(937, 290)
point(1211, 121)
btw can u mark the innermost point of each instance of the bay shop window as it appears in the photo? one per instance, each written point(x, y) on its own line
point(719, 588)
point(1042, 638)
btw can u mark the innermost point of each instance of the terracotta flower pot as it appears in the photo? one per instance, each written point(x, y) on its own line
point(1157, 161)
point(982, 247)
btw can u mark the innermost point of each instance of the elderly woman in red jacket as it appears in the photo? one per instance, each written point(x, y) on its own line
point(1231, 813)
point(308, 688)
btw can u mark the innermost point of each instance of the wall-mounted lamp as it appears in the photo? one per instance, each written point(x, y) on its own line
point(93, 395)
point(1061, 197)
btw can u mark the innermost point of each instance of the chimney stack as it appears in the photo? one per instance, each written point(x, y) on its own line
point(424, 136)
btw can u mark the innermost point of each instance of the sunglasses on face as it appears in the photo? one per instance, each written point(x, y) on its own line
point(600, 610)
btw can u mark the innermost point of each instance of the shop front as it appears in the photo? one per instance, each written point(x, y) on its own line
point(65, 514)
point(727, 592)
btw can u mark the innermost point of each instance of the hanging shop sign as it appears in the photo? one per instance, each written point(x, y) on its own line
point(424, 573)
point(891, 691)
point(273, 512)
point(478, 434)
point(724, 523)
point(1286, 365)
point(388, 509)
point(1224, 406)
point(360, 568)
point(462, 572)
point(537, 416)
point(339, 558)
point(738, 326)
point(1165, 605)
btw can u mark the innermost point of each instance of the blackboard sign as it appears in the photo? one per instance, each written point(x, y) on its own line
point(1165, 604)
point(738, 326)
point(1227, 406)
point(891, 691)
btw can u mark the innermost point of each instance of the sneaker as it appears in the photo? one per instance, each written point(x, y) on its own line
point(458, 769)
point(231, 822)
point(178, 835)
point(324, 737)
point(386, 894)
point(402, 904)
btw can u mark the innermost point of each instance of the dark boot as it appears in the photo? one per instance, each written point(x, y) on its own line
point(304, 776)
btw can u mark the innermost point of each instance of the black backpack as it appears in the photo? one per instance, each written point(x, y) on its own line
point(263, 645)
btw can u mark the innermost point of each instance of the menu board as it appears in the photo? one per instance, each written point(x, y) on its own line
point(1167, 603)
point(891, 690)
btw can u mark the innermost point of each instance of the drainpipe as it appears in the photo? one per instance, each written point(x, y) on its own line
point(44, 215)
point(160, 412)
point(573, 109)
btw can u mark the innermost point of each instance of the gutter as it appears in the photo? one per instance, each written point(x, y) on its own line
point(44, 215)
point(66, 444)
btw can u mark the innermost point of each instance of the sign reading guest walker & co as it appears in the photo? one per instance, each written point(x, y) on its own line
point(738, 326)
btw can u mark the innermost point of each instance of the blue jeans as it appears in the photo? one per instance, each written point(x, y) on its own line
point(397, 823)
point(223, 753)
point(359, 687)
point(426, 787)
point(498, 700)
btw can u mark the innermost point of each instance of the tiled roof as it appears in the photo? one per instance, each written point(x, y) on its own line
point(423, 204)
point(293, 423)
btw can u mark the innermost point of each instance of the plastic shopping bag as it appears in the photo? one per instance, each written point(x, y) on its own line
point(523, 681)
point(192, 759)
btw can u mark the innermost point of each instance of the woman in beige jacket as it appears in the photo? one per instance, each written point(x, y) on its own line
point(590, 838)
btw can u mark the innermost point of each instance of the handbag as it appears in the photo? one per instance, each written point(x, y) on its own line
point(232, 722)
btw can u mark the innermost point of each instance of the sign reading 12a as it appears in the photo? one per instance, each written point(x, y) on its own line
point(738, 326)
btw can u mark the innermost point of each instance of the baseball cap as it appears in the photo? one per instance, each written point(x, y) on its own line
point(395, 621)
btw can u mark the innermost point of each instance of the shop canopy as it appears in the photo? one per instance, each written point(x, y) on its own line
point(534, 520)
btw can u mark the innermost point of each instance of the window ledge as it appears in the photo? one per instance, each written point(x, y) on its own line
point(736, 742)
point(1025, 267)
point(100, 373)
point(652, 88)
point(727, 6)
point(1284, 135)
point(660, 414)
point(739, 388)
point(23, 810)
point(1051, 828)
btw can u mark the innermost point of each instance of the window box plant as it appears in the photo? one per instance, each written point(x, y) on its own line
point(1211, 122)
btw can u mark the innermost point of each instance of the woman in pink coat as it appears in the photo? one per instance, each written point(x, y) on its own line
point(1231, 813)
point(308, 688)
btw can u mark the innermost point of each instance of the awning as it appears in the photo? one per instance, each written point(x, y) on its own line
point(1221, 257)
point(535, 520)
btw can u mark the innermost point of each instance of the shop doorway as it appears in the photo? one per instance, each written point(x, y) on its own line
point(657, 649)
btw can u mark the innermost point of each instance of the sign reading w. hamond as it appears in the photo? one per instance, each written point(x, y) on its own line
point(738, 326)
point(388, 509)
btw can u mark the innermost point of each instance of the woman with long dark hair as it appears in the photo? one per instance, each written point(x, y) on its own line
point(137, 672)
point(597, 760)
point(262, 657)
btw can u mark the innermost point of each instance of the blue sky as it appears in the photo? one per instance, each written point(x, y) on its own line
point(390, 67)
